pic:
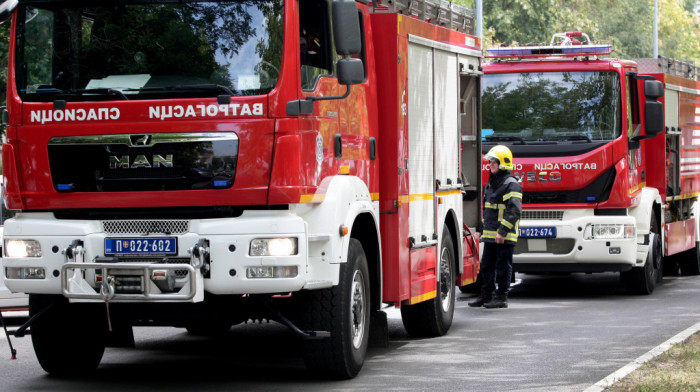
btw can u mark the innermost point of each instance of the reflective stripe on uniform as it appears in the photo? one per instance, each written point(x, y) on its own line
point(489, 234)
point(512, 194)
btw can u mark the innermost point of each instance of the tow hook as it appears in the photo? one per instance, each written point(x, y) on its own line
point(75, 251)
point(199, 256)
point(107, 288)
point(107, 291)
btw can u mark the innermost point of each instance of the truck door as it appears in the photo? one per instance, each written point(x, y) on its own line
point(635, 173)
point(421, 120)
point(317, 77)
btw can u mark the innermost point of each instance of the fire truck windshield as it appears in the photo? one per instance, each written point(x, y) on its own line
point(115, 50)
point(552, 107)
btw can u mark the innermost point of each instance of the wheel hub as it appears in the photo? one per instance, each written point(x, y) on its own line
point(445, 280)
point(358, 309)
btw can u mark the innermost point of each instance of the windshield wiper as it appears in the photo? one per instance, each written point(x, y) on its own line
point(57, 92)
point(98, 91)
point(575, 138)
point(214, 88)
point(497, 138)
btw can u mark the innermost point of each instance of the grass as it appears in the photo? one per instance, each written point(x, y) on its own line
point(676, 370)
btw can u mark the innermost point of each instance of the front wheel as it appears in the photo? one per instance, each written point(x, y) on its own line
point(643, 280)
point(344, 310)
point(68, 339)
point(434, 317)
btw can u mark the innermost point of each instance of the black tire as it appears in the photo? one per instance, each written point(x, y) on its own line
point(68, 339)
point(344, 310)
point(434, 317)
point(689, 262)
point(643, 280)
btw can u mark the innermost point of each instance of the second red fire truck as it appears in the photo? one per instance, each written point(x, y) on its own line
point(608, 154)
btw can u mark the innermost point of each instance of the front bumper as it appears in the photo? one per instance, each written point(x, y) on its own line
point(212, 256)
point(570, 251)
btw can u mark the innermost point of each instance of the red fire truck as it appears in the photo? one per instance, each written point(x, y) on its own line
point(607, 153)
point(202, 163)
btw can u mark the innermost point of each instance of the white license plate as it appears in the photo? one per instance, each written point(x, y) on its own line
point(141, 246)
point(538, 232)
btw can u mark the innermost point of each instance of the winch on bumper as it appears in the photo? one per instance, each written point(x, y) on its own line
point(219, 256)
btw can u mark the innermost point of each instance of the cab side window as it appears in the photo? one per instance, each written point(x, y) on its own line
point(315, 41)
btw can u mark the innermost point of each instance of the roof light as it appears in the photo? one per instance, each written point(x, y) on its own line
point(561, 45)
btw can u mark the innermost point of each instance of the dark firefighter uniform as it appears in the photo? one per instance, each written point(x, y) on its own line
point(502, 206)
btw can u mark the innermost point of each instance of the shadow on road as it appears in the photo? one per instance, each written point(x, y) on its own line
point(568, 286)
point(248, 354)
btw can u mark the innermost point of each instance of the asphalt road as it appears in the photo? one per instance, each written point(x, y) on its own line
point(560, 333)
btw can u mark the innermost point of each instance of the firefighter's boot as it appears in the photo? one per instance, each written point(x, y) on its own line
point(498, 301)
point(480, 301)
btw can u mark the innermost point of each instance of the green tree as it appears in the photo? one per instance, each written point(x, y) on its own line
point(531, 21)
point(633, 38)
point(679, 31)
point(629, 23)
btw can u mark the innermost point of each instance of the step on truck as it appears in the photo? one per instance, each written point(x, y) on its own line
point(607, 152)
point(199, 164)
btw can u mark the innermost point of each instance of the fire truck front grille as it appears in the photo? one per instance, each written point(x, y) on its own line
point(143, 162)
point(144, 227)
point(557, 246)
point(542, 215)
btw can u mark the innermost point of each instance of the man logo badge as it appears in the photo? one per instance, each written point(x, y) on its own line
point(140, 161)
point(140, 140)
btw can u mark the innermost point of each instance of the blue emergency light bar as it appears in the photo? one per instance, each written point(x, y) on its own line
point(561, 45)
point(546, 51)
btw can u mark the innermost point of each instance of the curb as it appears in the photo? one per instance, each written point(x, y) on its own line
point(632, 366)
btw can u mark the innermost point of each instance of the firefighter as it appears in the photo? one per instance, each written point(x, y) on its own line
point(502, 207)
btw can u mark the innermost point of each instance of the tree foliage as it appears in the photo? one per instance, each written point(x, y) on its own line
point(679, 31)
point(629, 23)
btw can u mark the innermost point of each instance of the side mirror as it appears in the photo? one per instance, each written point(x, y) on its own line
point(6, 9)
point(653, 109)
point(350, 71)
point(653, 89)
point(346, 27)
point(653, 117)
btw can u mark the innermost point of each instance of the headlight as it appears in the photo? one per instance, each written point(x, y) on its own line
point(609, 232)
point(22, 248)
point(273, 247)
